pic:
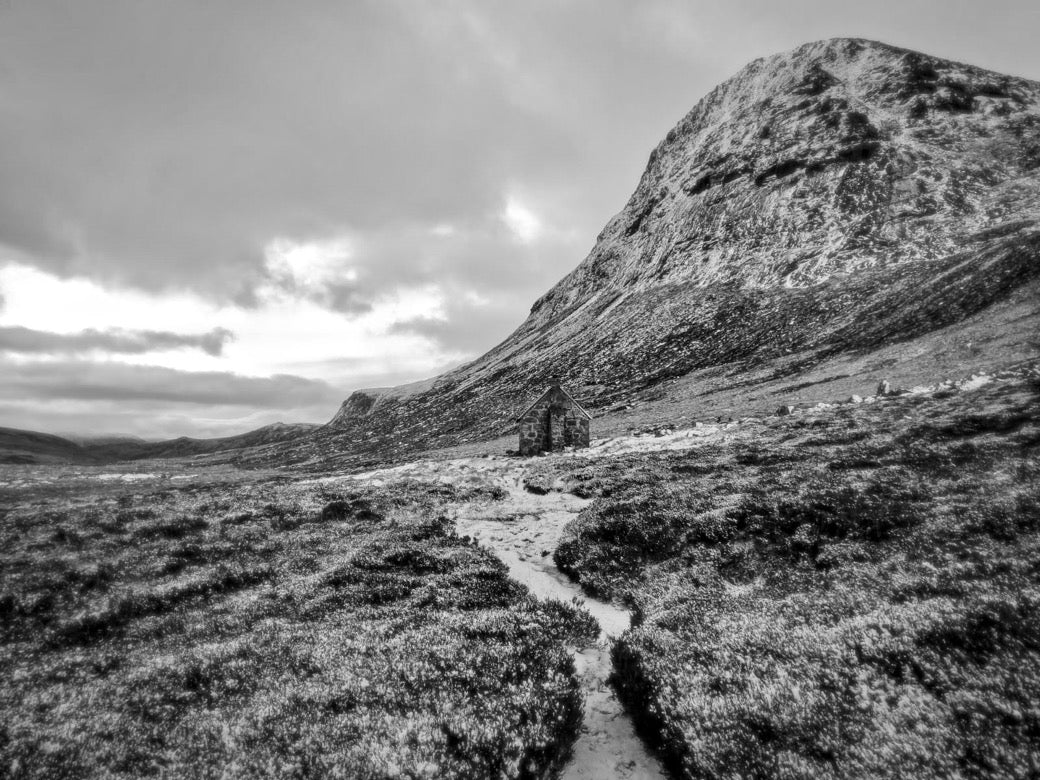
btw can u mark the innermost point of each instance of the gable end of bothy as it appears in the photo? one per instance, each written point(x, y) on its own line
point(552, 423)
point(552, 395)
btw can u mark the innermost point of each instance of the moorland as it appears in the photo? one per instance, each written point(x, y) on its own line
point(851, 590)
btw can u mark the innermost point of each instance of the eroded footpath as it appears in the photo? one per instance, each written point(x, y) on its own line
point(523, 530)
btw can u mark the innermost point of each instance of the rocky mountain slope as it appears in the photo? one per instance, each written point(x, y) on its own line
point(831, 200)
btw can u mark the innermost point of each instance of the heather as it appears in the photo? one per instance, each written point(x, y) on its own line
point(266, 628)
point(845, 594)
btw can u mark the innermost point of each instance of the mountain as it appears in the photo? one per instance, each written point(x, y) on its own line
point(828, 217)
point(827, 203)
point(17, 446)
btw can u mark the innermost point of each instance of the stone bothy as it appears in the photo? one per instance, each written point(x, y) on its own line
point(553, 422)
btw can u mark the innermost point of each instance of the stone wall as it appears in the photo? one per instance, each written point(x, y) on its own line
point(552, 425)
point(532, 431)
point(557, 427)
point(576, 434)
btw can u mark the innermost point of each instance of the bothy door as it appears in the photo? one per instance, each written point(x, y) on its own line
point(556, 430)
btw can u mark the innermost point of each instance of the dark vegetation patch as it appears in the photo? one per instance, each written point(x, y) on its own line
point(277, 630)
point(867, 606)
point(538, 483)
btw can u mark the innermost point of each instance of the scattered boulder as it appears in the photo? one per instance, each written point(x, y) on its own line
point(785, 410)
point(855, 399)
point(884, 388)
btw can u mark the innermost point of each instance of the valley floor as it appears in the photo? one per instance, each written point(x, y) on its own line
point(846, 591)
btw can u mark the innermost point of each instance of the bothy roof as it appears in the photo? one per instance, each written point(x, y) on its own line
point(548, 392)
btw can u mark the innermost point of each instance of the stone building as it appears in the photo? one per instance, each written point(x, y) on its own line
point(553, 422)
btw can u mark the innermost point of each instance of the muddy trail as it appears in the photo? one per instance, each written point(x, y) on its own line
point(608, 746)
point(523, 530)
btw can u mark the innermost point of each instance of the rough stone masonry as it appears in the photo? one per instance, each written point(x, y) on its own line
point(553, 422)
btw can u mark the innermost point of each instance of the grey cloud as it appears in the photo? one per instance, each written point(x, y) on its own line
point(346, 298)
point(482, 258)
point(128, 342)
point(164, 145)
point(468, 327)
point(80, 380)
point(149, 420)
point(465, 331)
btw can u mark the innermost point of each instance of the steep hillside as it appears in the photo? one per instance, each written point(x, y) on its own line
point(833, 200)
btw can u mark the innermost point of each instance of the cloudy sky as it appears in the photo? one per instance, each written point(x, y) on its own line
point(218, 214)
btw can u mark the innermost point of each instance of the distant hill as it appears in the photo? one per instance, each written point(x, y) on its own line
point(88, 441)
point(28, 447)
